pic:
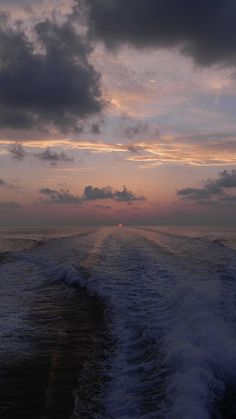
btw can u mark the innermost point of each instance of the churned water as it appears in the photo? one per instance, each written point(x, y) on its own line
point(118, 323)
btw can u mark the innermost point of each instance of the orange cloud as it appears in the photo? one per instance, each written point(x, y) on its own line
point(166, 150)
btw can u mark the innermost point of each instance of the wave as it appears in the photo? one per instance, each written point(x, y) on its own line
point(172, 308)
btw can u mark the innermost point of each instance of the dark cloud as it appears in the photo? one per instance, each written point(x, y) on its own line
point(196, 194)
point(95, 129)
point(133, 148)
point(203, 29)
point(7, 185)
point(139, 128)
point(127, 196)
point(214, 190)
point(47, 83)
point(228, 199)
point(133, 128)
point(60, 197)
point(17, 151)
point(9, 205)
point(226, 179)
point(90, 194)
point(53, 157)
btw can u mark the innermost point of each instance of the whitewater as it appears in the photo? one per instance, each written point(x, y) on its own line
point(118, 323)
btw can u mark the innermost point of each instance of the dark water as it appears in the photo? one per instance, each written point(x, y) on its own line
point(118, 323)
point(62, 376)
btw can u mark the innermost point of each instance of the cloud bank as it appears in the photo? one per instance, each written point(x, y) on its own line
point(90, 194)
point(215, 191)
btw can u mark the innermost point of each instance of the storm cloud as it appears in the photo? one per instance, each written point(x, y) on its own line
point(48, 82)
point(203, 29)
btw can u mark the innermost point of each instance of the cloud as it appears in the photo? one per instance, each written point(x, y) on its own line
point(127, 196)
point(131, 127)
point(47, 83)
point(206, 150)
point(185, 150)
point(228, 199)
point(214, 191)
point(95, 128)
point(139, 128)
point(226, 179)
point(9, 205)
point(90, 194)
point(133, 148)
point(196, 194)
point(60, 197)
point(171, 149)
point(102, 206)
point(53, 157)
point(17, 151)
point(7, 185)
point(203, 29)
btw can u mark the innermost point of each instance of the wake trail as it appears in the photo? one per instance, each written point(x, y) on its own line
point(172, 314)
point(53, 337)
point(173, 318)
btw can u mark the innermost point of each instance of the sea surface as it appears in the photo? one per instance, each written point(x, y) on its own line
point(118, 323)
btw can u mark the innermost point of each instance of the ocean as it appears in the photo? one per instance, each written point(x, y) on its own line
point(118, 323)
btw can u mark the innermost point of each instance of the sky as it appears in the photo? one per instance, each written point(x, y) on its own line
point(117, 111)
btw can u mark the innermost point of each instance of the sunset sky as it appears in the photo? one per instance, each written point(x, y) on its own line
point(117, 111)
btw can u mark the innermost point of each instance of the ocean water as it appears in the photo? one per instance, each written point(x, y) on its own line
point(118, 323)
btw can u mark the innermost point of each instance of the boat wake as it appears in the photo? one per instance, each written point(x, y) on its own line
point(170, 311)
